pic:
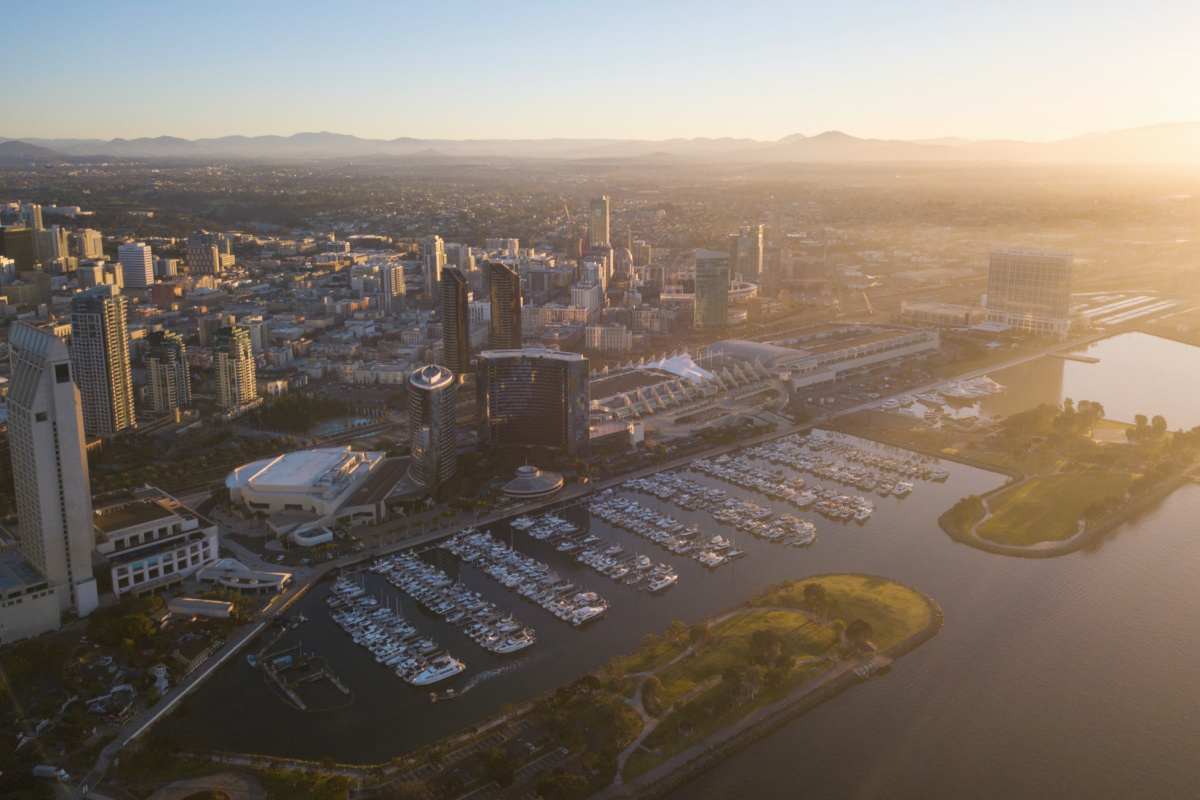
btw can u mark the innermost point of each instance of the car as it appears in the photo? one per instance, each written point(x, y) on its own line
point(564, 751)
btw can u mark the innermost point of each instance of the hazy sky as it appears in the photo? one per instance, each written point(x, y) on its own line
point(602, 68)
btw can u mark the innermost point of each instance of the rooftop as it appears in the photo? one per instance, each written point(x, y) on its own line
point(128, 515)
point(18, 574)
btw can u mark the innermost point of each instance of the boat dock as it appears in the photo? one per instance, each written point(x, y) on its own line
point(1076, 357)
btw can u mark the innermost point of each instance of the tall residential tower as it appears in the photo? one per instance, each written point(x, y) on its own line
point(506, 306)
point(456, 322)
point(432, 426)
point(100, 353)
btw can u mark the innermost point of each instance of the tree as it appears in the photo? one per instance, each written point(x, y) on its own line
point(1158, 426)
point(652, 695)
point(839, 628)
point(815, 596)
point(676, 631)
point(497, 766)
point(700, 634)
point(859, 630)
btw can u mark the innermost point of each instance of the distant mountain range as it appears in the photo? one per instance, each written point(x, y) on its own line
point(1174, 143)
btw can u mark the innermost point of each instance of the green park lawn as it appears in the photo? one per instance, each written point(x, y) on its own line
point(1047, 508)
point(894, 611)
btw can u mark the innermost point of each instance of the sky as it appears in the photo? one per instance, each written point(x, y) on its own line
point(460, 69)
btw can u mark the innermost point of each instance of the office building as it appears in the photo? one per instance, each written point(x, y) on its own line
point(432, 426)
point(1030, 290)
point(89, 243)
point(391, 288)
point(532, 398)
point(506, 307)
point(712, 289)
point(433, 259)
point(16, 242)
point(746, 252)
point(151, 542)
point(169, 387)
point(598, 222)
point(234, 362)
point(137, 264)
point(31, 216)
point(456, 322)
point(203, 255)
point(50, 478)
point(611, 337)
point(100, 353)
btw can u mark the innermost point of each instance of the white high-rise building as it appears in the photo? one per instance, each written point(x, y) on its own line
point(433, 255)
point(1030, 290)
point(100, 354)
point(50, 470)
point(137, 264)
point(235, 367)
point(392, 290)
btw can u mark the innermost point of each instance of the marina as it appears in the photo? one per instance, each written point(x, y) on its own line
point(394, 642)
point(529, 578)
point(666, 532)
point(478, 619)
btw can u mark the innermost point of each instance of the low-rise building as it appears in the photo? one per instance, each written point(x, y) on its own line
point(150, 541)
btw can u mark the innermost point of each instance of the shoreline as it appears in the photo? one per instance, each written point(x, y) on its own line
point(1074, 543)
point(703, 756)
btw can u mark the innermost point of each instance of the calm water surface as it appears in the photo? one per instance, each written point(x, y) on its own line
point(1070, 677)
point(1136, 374)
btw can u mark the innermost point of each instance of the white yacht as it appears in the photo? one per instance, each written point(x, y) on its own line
point(587, 614)
point(902, 488)
point(661, 582)
point(438, 670)
point(514, 643)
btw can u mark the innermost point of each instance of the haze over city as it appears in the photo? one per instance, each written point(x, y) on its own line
point(706, 401)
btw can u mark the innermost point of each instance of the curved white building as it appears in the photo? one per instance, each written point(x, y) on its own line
point(314, 481)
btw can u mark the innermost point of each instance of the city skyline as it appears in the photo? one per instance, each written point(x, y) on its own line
point(921, 71)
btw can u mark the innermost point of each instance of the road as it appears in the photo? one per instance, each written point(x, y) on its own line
point(304, 578)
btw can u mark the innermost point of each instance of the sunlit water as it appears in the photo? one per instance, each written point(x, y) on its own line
point(1136, 374)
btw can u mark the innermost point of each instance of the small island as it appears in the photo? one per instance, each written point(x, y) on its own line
point(1073, 475)
point(707, 691)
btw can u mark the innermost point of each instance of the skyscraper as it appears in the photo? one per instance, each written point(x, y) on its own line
point(234, 361)
point(137, 264)
point(89, 243)
point(746, 252)
point(598, 222)
point(712, 289)
point(167, 372)
point(535, 398)
point(100, 353)
point(1030, 290)
point(50, 471)
point(392, 290)
point(456, 322)
point(432, 426)
point(433, 257)
point(16, 242)
point(506, 306)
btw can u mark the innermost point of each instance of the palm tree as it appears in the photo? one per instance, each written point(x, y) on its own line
point(839, 631)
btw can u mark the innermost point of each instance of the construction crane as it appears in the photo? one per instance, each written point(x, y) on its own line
point(867, 300)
